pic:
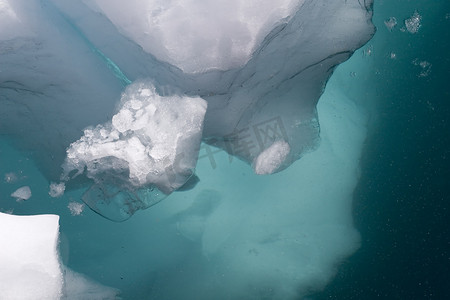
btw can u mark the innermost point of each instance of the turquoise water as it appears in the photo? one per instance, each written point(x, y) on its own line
point(400, 204)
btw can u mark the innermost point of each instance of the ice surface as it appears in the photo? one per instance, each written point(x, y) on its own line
point(261, 67)
point(29, 266)
point(75, 208)
point(270, 159)
point(57, 189)
point(198, 35)
point(67, 69)
point(236, 234)
point(154, 139)
point(151, 143)
point(22, 193)
point(413, 23)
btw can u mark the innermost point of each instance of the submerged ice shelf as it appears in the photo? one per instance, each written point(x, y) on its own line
point(61, 75)
point(117, 101)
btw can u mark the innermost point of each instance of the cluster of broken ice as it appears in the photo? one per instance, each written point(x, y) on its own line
point(151, 141)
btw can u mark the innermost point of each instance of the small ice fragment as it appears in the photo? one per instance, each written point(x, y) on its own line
point(390, 23)
point(76, 208)
point(271, 159)
point(21, 194)
point(413, 23)
point(10, 177)
point(56, 189)
point(368, 51)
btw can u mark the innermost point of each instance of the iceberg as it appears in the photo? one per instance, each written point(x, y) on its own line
point(66, 66)
point(215, 103)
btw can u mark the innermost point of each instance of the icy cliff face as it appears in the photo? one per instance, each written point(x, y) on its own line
point(260, 66)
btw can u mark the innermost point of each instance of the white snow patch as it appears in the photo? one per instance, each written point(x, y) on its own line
point(29, 265)
point(271, 159)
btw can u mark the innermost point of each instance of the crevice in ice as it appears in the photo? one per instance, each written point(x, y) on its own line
point(106, 60)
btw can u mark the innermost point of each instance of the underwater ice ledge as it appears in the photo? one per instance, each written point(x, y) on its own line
point(277, 88)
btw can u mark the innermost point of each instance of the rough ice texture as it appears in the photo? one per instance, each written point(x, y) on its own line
point(413, 23)
point(29, 265)
point(66, 66)
point(270, 159)
point(56, 189)
point(21, 194)
point(75, 208)
point(197, 35)
point(153, 139)
point(152, 142)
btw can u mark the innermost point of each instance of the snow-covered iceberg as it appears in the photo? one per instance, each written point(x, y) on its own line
point(260, 66)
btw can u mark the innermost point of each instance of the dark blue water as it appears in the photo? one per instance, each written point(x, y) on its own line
point(401, 204)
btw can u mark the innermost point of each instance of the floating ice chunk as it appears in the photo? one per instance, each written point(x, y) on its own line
point(152, 142)
point(29, 265)
point(272, 158)
point(21, 194)
point(268, 89)
point(156, 143)
point(390, 23)
point(57, 189)
point(75, 208)
point(413, 23)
